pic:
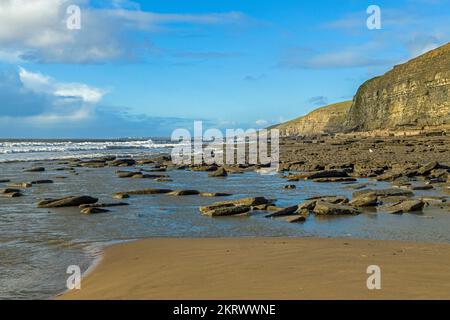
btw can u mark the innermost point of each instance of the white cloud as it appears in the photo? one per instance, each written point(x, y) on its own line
point(365, 55)
point(35, 30)
point(262, 122)
point(39, 83)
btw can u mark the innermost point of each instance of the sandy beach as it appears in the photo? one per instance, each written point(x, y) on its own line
point(267, 268)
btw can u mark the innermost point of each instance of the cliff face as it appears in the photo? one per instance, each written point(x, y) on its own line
point(412, 95)
point(329, 119)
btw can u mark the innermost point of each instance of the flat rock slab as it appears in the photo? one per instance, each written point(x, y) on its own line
point(93, 210)
point(35, 169)
point(324, 208)
point(283, 212)
point(184, 193)
point(383, 193)
point(406, 206)
point(227, 211)
point(72, 201)
point(149, 191)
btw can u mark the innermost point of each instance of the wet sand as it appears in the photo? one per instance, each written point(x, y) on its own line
point(267, 268)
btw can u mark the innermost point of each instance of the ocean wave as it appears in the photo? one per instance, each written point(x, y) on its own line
point(70, 146)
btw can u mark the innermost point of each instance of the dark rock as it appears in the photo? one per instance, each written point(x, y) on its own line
point(221, 172)
point(93, 163)
point(71, 201)
point(227, 211)
point(368, 200)
point(422, 187)
point(427, 168)
point(41, 181)
point(163, 180)
point(214, 194)
point(307, 205)
point(35, 169)
point(250, 202)
point(328, 174)
point(184, 193)
point(330, 199)
point(325, 208)
point(406, 206)
point(121, 196)
point(338, 179)
point(122, 163)
point(382, 193)
point(12, 194)
point(127, 174)
point(293, 219)
point(148, 191)
point(93, 210)
point(283, 212)
point(290, 187)
point(9, 190)
point(103, 205)
point(204, 168)
point(20, 185)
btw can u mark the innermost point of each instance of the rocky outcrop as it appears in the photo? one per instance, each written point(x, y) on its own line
point(328, 119)
point(415, 94)
point(412, 96)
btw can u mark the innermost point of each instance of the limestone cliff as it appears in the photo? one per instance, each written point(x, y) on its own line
point(412, 95)
point(328, 119)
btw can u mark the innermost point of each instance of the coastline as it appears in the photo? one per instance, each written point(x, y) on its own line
point(266, 268)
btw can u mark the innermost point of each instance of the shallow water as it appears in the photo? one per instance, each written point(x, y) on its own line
point(37, 245)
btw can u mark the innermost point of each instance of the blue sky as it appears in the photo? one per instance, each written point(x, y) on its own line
point(144, 68)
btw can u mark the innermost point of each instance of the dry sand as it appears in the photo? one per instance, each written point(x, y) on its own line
point(267, 268)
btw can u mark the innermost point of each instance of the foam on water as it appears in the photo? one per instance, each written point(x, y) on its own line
point(57, 149)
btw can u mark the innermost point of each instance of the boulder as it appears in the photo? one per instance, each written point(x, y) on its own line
point(148, 176)
point(227, 211)
point(250, 202)
point(406, 206)
point(127, 174)
point(12, 194)
point(308, 205)
point(103, 205)
point(325, 208)
point(93, 210)
point(20, 185)
point(148, 191)
point(427, 168)
point(221, 172)
point(290, 187)
point(335, 179)
point(204, 168)
point(422, 187)
point(330, 199)
point(293, 219)
point(93, 163)
point(368, 200)
point(383, 193)
point(41, 182)
point(9, 190)
point(121, 195)
point(122, 163)
point(71, 201)
point(184, 193)
point(328, 174)
point(283, 212)
point(35, 169)
point(214, 194)
point(4, 180)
